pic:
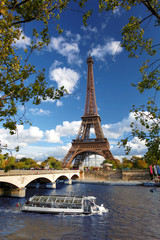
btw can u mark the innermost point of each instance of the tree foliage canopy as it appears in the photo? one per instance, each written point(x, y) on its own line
point(19, 79)
point(134, 163)
point(52, 162)
point(115, 162)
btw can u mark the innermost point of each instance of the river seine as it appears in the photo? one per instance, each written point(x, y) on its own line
point(134, 213)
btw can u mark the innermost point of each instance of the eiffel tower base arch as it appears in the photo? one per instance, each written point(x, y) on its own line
point(82, 149)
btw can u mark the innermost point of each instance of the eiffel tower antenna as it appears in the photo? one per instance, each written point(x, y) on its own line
point(84, 146)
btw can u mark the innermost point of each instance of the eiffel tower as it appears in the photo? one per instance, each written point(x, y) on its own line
point(84, 146)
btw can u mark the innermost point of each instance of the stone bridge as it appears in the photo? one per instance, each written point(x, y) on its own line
point(14, 182)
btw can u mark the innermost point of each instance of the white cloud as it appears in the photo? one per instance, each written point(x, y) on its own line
point(148, 117)
point(137, 146)
point(59, 103)
point(117, 11)
point(42, 153)
point(67, 129)
point(40, 112)
point(52, 136)
point(23, 41)
point(117, 130)
point(103, 25)
point(111, 47)
point(89, 33)
point(21, 108)
point(89, 29)
point(68, 48)
point(73, 37)
point(59, 151)
point(22, 138)
point(65, 77)
point(78, 98)
point(56, 64)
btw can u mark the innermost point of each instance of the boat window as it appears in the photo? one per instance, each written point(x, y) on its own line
point(57, 201)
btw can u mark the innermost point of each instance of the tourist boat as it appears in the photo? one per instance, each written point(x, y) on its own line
point(62, 204)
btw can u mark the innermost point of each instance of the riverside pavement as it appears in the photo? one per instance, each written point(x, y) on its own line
point(120, 183)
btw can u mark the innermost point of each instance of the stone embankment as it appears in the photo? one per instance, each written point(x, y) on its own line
point(117, 175)
point(119, 178)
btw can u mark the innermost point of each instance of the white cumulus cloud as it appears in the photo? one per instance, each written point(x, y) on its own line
point(65, 77)
point(22, 138)
point(117, 130)
point(111, 47)
point(52, 136)
point(137, 146)
point(67, 129)
point(66, 47)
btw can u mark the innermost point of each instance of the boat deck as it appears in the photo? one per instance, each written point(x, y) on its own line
point(56, 201)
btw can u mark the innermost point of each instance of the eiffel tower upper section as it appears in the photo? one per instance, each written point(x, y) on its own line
point(90, 119)
point(90, 106)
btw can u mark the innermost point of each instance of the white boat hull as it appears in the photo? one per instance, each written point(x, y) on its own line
point(52, 210)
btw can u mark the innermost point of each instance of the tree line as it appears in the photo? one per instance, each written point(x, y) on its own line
point(8, 163)
point(134, 162)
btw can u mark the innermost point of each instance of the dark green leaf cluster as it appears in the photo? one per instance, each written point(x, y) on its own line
point(133, 39)
point(52, 162)
point(115, 163)
point(135, 163)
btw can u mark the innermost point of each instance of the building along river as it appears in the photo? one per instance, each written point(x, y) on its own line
point(134, 213)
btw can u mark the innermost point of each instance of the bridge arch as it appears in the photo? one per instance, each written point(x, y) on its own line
point(67, 177)
point(32, 179)
point(74, 177)
point(8, 184)
point(62, 177)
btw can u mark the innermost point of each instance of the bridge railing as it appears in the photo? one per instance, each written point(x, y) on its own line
point(33, 172)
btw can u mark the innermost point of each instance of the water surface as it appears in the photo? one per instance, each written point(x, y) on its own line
point(133, 214)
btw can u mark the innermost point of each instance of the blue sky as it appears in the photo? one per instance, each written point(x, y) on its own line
point(56, 123)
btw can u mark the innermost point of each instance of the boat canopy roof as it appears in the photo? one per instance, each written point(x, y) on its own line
point(56, 199)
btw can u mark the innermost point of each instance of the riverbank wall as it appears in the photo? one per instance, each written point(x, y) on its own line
point(116, 175)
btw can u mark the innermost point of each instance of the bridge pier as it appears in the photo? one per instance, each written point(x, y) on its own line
point(69, 181)
point(13, 192)
point(81, 175)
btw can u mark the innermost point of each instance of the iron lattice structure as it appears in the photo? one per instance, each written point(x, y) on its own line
point(84, 146)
